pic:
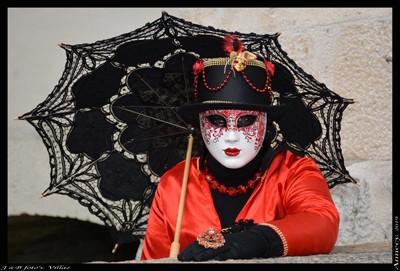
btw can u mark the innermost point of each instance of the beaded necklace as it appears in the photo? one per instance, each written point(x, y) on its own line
point(231, 190)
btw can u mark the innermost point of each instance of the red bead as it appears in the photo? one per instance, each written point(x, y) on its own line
point(222, 189)
point(214, 184)
point(257, 176)
point(209, 177)
point(241, 189)
point(231, 191)
point(250, 184)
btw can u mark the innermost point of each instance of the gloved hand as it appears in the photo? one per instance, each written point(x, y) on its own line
point(241, 245)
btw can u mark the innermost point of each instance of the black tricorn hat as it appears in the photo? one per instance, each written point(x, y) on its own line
point(240, 81)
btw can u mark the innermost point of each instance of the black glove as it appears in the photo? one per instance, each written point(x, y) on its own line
point(248, 244)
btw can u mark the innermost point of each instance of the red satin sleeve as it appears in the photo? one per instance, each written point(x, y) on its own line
point(309, 221)
point(198, 215)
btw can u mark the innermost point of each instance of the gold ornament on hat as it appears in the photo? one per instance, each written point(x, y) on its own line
point(239, 61)
point(237, 57)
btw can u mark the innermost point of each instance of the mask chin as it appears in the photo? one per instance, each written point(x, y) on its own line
point(235, 163)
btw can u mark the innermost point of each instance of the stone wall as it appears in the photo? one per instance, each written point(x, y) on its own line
point(366, 207)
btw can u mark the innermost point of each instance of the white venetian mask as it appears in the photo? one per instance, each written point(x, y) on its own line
point(233, 137)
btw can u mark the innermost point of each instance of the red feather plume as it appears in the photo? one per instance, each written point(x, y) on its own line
point(270, 67)
point(197, 66)
point(232, 43)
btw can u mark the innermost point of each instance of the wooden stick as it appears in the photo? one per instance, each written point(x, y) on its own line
point(174, 251)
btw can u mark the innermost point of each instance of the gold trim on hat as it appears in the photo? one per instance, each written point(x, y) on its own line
point(217, 101)
point(222, 61)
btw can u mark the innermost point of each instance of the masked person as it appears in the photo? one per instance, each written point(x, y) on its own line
point(244, 199)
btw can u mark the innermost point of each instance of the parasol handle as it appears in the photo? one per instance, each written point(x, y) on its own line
point(174, 251)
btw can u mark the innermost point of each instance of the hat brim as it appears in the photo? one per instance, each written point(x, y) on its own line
point(190, 112)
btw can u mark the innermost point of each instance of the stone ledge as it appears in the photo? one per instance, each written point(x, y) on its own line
point(379, 252)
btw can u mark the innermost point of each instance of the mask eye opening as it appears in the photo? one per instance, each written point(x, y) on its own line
point(217, 120)
point(246, 120)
